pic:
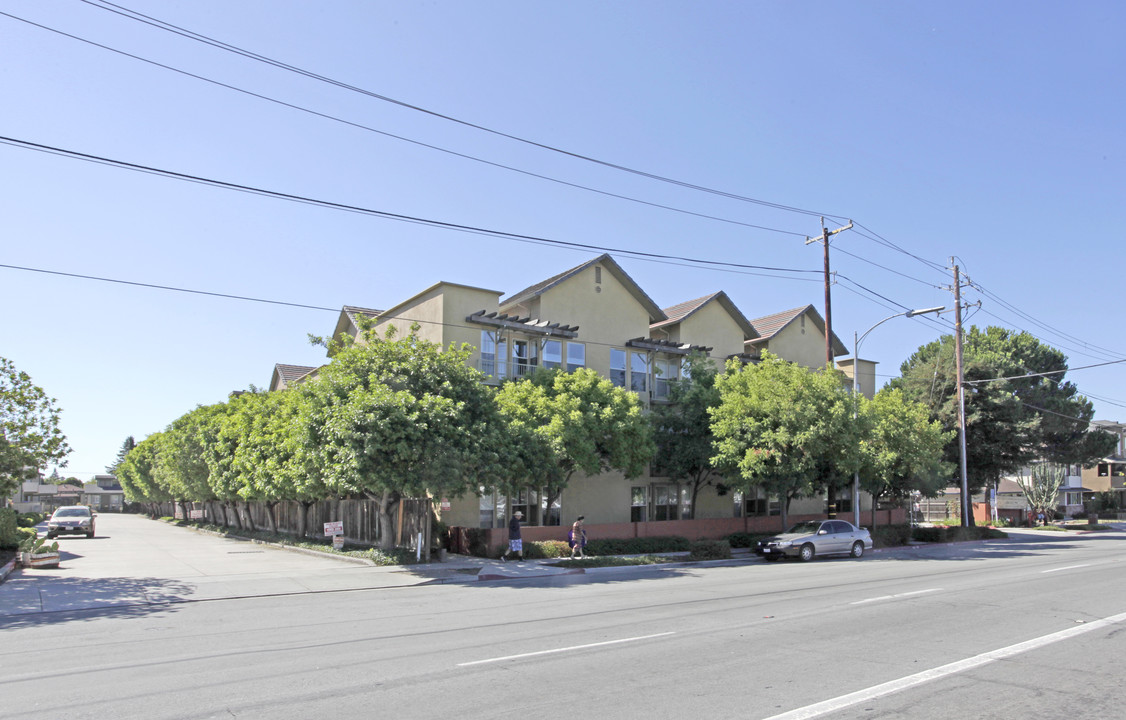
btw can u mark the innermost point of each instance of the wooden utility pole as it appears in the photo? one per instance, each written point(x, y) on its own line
point(824, 240)
point(831, 494)
point(967, 504)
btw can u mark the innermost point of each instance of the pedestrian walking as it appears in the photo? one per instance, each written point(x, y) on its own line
point(515, 544)
point(577, 537)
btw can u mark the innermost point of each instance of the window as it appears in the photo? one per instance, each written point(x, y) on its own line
point(752, 505)
point(1104, 470)
point(550, 515)
point(639, 504)
point(664, 502)
point(521, 502)
point(685, 503)
point(576, 356)
point(638, 371)
point(488, 353)
point(523, 358)
point(488, 505)
point(1073, 498)
point(665, 373)
point(618, 367)
point(552, 354)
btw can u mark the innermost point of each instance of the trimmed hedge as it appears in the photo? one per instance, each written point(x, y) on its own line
point(891, 535)
point(637, 546)
point(710, 550)
point(941, 534)
point(9, 535)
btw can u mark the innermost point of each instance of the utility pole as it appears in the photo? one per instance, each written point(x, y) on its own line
point(831, 495)
point(967, 505)
point(824, 240)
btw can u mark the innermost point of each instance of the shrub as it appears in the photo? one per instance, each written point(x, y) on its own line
point(710, 550)
point(891, 535)
point(9, 537)
point(743, 539)
point(547, 549)
point(956, 534)
point(637, 546)
point(30, 519)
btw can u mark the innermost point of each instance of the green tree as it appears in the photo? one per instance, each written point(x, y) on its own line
point(29, 428)
point(784, 428)
point(126, 446)
point(391, 418)
point(584, 423)
point(902, 453)
point(138, 477)
point(682, 428)
point(181, 466)
point(1019, 407)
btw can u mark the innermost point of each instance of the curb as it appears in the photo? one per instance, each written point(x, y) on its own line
point(7, 569)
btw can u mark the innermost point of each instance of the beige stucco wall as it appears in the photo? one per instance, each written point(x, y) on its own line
point(800, 342)
point(867, 375)
point(712, 326)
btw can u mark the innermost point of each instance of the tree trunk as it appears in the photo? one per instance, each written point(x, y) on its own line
point(386, 525)
point(875, 504)
point(303, 518)
point(271, 518)
point(249, 518)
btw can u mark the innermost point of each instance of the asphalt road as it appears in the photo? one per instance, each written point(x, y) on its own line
point(1030, 626)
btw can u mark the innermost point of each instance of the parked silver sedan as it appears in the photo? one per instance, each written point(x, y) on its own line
point(816, 537)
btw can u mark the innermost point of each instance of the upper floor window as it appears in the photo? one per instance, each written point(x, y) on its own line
point(665, 373)
point(552, 354)
point(493, 354)
point(576, 356)
point(618, 367)
point(638, 371)
point(524, 357)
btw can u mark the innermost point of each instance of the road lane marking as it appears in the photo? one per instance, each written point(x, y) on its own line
point(566, 649)
point(1069, 567)
point(905, 683)
point(893, 597)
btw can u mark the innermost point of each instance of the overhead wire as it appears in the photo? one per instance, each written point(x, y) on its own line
point(864, 231)
point(199, 37)
point(73, 154)
point(419, 143)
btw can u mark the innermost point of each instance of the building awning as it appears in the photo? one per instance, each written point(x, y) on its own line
point(523, 324)
point(665, 346)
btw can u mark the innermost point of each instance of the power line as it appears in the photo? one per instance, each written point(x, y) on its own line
point(72, 154)
point(418, 143)
point(199, 37)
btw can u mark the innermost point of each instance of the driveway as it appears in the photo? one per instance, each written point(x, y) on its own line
point(134, 560)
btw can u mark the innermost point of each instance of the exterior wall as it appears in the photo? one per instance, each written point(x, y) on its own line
point(800, 342)
point(712, 327)
point(867, 379)
point(607, 313)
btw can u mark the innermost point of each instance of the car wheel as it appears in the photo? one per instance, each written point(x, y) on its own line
point(858, 549)
point(806, 553)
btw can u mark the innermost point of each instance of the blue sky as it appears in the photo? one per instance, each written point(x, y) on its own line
point(987, 132)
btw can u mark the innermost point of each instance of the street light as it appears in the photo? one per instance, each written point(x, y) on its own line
point(856, 340)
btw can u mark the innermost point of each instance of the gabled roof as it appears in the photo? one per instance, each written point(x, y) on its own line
point(679, 313)
point(655, 312)
point(288, 374)
point(349, 320)
point(770, 325)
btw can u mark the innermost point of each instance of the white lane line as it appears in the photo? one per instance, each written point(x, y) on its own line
point(566, 649)
point(876, 691)
point(893, 597)
point(1069, 567)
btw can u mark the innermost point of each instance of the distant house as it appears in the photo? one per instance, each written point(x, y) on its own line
point(103, 494)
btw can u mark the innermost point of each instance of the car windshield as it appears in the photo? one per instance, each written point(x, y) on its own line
point(72, 512)
point(806, 528)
